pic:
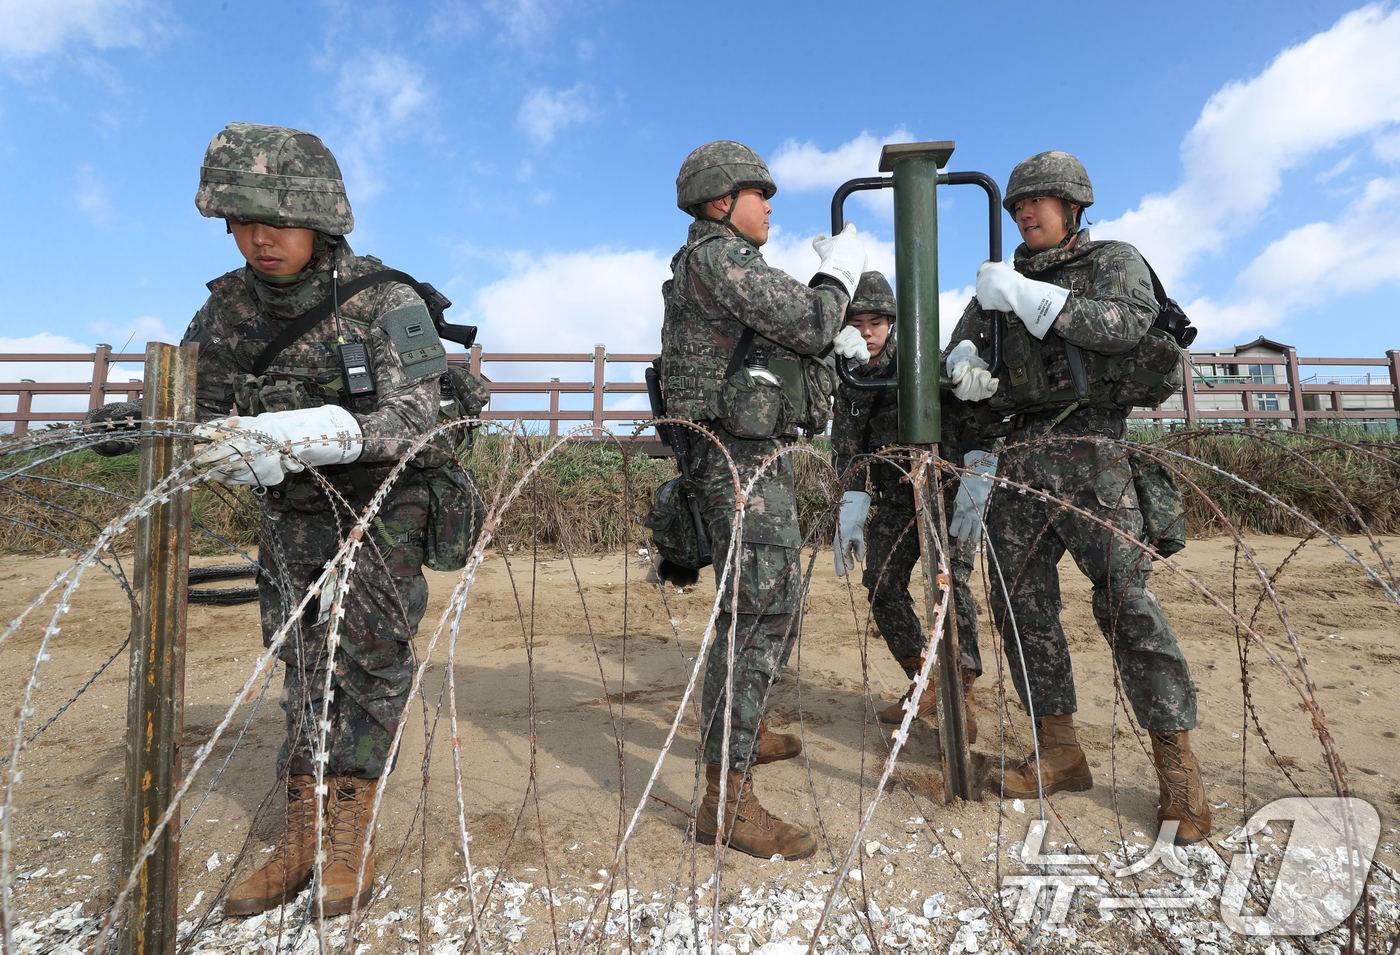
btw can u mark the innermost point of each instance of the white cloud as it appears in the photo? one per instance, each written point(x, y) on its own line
point(91, 196)
point(543, 113)
point(35, 27)
point(382, 94)
point(451, 19)
point(1311, 264)
point(74, 372)
point(803, 166)
point(568, 302)
point(1339, 84)
point(795, 255)
point(525, 20)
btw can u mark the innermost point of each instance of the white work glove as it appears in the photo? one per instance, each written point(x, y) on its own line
point(848, 343)
point(1000, 288)
point(968, 372)
point(263, 449)
point(850, 530)
point(843, 257)
point(973, 490)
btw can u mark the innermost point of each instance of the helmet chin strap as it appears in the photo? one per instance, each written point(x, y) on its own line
point(733, 229)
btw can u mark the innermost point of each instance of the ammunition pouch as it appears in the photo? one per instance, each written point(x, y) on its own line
point(456, 514)
point(260, 394)
point(1024, 383)
point(1149, 373)
point(672, 526)
point(1159, 500)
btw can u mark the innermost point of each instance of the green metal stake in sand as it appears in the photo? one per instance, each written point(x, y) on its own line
point(915, 179)
point(155, 695)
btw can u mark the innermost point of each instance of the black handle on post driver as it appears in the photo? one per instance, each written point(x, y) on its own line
point(989, 185)
point(996, 333)
point(838, 218)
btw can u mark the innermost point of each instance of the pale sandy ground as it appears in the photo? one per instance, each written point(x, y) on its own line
point(67, 809)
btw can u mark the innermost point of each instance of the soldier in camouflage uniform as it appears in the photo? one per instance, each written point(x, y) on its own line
point(281, 192)
point(1073, 306)
point(737, 347)
point(864, 423)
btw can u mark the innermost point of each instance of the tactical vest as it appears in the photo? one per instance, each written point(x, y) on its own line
point(699, 348)
point(1036, 375)
point(308, 376)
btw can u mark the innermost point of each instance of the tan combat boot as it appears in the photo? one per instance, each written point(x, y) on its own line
point(289, 869)
point(894, 713)
point(1183, 797)
point(750, 827)
point(1063, 767)
point(352, 799)
point(773, 747)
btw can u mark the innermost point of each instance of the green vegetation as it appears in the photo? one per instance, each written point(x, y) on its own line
point(582, 501)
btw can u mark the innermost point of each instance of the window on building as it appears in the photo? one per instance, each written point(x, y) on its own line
point(1265, 402)
point(1260, 374)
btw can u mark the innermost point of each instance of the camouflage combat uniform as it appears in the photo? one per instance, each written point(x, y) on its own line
point(1111, 306)
point(387, 594)
point(720, 285)
point(863, 422)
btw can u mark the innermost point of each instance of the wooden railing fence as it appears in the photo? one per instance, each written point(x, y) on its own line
point(99, 390)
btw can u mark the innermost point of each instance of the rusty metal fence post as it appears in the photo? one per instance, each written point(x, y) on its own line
point(155, 696)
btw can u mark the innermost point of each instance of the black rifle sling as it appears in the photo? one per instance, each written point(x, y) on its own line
point(319, 313)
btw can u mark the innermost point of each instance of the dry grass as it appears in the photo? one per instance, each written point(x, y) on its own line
point(1318, 473)
point(581, 503)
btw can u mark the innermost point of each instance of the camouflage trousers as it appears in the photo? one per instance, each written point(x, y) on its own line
point(765, 578)
point(371, 668)
point(891, 553)
point(1027, 538)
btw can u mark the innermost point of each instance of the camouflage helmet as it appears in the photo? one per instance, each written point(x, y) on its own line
point(275, 175)
point(873, 296)
point(720, 169)
point(1052, 173)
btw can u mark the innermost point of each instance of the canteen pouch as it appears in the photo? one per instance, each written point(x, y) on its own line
point(752, 407)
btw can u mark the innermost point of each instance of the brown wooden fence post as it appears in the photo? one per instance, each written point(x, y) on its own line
point(554, 410)
point(101, 359)
point(1295, 391)
point(23, 405)
point(1393, 357)
point(600, 387)
point(475, 360)
point(156, 690)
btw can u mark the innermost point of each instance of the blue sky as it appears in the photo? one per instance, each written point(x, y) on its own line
point(521, 154)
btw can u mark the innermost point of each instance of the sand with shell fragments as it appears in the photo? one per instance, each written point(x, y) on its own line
point(591, 648)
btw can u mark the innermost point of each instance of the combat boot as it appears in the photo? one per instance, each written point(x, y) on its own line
point(1063, 767)
point(773, 747)
point(894, 713)
point(750, 828)
point(352, 799)
point(1183, 797)
point(289, 869)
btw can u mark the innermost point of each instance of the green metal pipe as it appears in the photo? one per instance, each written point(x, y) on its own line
point(915, 167)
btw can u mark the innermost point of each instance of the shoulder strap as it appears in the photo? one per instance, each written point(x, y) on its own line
point(319, 313)
point(1157, 288)
point(741, 351)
